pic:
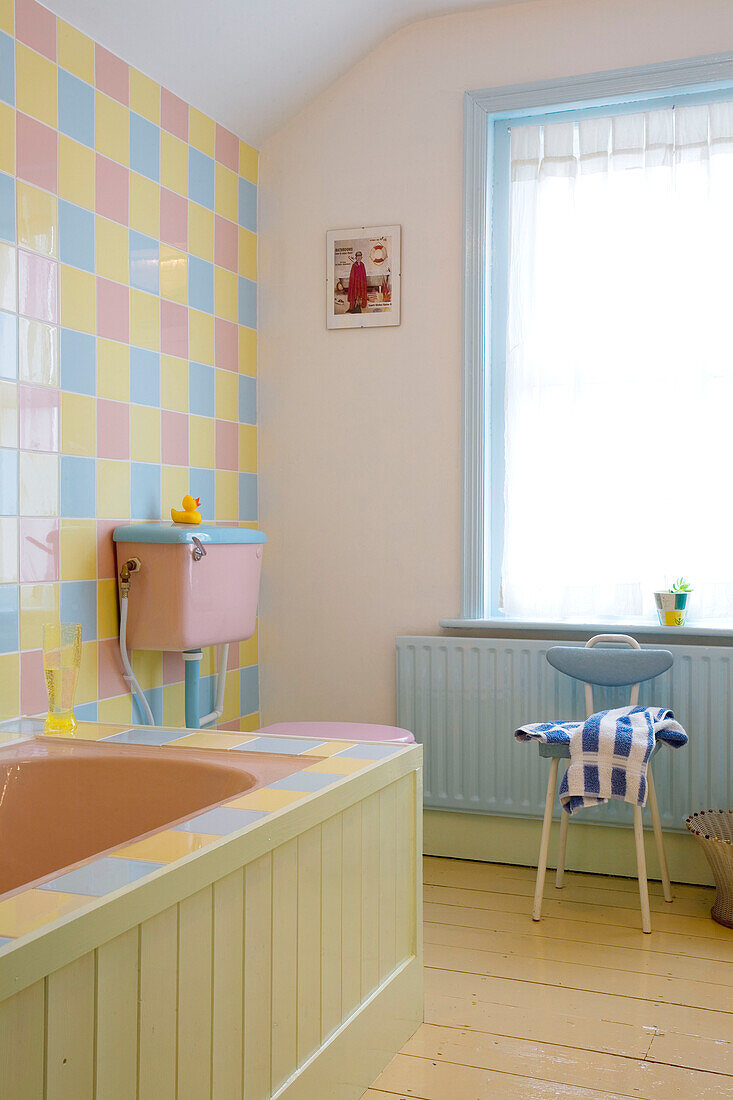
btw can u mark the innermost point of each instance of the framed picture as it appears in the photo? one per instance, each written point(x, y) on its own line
point(363, 277)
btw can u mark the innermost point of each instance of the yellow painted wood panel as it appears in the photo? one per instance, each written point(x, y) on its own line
point(258, 978)
point(309, 943)
point(117, 1018)
point(331, 926)
point(158, 1006)
point(22, 1041)
point(370, 858)
point(387, 882)
point(194, 995)
point(228, 978)
point(70, 996)
point(405, 894)
point(351, 909)
point(284, 962)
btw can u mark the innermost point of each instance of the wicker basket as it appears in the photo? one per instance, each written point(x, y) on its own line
point(713, 830)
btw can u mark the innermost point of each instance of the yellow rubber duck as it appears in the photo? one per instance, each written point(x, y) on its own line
point(189, 514)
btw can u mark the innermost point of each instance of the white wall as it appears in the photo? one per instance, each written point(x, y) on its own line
point(360, 430)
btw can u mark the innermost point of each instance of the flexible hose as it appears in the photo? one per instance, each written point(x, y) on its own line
point(129, 675)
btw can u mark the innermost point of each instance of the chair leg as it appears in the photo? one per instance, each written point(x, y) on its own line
point(646, 923)
point(564, 822)
point(657, 826)
point(545, 841)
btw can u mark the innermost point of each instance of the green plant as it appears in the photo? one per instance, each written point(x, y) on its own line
point(680, 585)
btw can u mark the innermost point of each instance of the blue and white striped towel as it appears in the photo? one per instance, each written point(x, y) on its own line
point(609, 752)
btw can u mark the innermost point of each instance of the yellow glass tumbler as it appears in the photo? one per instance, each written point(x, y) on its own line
point(61, 662)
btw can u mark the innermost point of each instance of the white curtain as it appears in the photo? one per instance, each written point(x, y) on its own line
point(619, 374)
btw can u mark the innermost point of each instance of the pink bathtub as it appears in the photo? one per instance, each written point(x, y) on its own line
point(63, 802)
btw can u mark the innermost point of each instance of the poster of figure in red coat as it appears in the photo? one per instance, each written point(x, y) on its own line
point(363, 277)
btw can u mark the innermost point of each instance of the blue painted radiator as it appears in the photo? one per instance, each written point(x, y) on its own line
point(464, 697)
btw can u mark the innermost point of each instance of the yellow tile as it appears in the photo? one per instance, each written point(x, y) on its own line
point(86, 687)
point(201, 337)
point(75, 51)
point(117, 710)
point(147, 664)
point(201, 441)
point(8, 553)
point(173, 274)
point(37, 219)
point(107, 616)
point(173, 163)
point(247, 448)
point(77, 299)
point(145, 96)
point(212, 740)
point(201, 131)
point(231, 696)
point(113, 490)
point(227, 499)
point(35, 80)
point(78, 425)
point(336, 765)
point(39, 604)
point(112, 129)
point(250, 722)
point(38, 355)
point(6, 16)
point(113, 370)
point(78, 548)
point(144, 433)
point(247, 253)
point(9, 678)
point(8, 295)
point(227, 395)
point(144, 205)
point(8, 414)
point(165, 847)
point(225, 294)
point(174, 706)
point(76, 172)
point(7, 139)
point(113, 250)
point(31, 909)
point(247, 351)
point(330, 748)
point(248, 651)
point(174, 486)
point(207, 664)
point(200, 231)
point(144, 320)
point(265, 799)
point(174, 383)
point(226, 192)
point(95, 731)
point(248, 158)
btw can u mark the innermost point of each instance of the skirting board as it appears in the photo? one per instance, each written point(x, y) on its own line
point(600, 849)
point(355, 1055)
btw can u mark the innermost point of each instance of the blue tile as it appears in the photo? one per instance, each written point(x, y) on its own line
point(247, 302)
point(7, 69)
point(5, 940)
point(28, 727)
point(86, 712)
point(78, 359)
point(202, 484)
point(147, 736)
point(144, 147)
point(7, 208)
point(200, 178)
point(102, 876)
point(8, 482)
point(78, 487)
point(207, 693)
point(201, 389)
point(200, 284)
point(249, 690)
point(247, 399)
point(76, 108)
point(370, 751)
point(144, 263)
point(290, 746)
point(248, 205)
point(76, 236)
point(9, 636)
point(8, 345)
point(144, 490)
point(220, 821)
point(79, 605)
point(154, 697)
point(144, 377)
point(248, 498)
point(306, 781)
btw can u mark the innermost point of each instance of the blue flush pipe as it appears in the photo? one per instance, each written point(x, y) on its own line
point(191, 658)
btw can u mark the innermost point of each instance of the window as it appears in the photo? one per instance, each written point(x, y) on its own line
point(608, 360)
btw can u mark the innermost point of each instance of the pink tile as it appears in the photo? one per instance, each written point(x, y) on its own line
point(39, 418)
point(39, 550)
point(226, 148)
point(38, 286)
point(173, 219)
point(113, 190)
point(106, 566)
point(173, 329)
point(233, 657)
point(226, 353)
point(227, 445)
point(113, 429)
point(110, 681)
point(174, 114)
point(113, 310)
point(112, 75)
point(36, 26)
point(172, 668)
point(234, 724)
point(225, 243)
point(37, 153)
point(174, 438)
point(33, 696)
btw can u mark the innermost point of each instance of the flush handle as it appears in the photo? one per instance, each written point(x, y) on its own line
point(198, 551)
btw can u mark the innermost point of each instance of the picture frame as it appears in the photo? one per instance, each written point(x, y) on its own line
point(363, 277)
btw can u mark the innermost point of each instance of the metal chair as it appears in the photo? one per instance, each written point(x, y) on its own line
point(607, 668)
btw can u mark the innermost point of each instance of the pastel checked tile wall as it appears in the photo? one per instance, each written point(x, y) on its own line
point(128, 267)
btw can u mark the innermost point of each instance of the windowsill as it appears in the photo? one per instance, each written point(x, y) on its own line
point(721, 631)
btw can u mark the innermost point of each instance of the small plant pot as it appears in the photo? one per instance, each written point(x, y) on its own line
point(671, 607)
